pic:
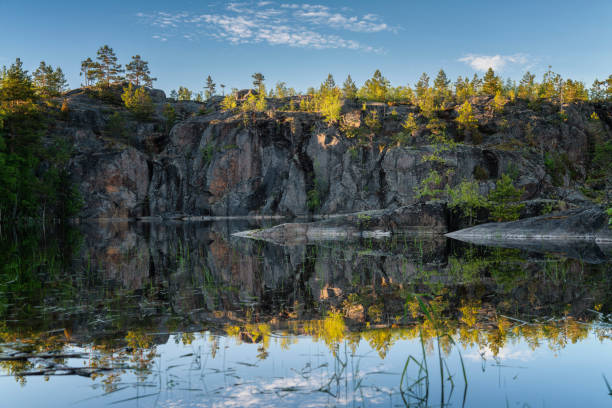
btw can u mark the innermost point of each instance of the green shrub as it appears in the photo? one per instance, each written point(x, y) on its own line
point(208, 152)
point(466, 197)
point(372, 121)
point(504, 200)
point(229, 102)
point(138, 101)
point(313, 200)
point(430, 187)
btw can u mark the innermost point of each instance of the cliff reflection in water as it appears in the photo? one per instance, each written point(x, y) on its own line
point(118, 302)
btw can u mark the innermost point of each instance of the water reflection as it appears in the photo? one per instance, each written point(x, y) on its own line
point(187, 315)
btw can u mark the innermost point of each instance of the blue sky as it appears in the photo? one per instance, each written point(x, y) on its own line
point(300, 43)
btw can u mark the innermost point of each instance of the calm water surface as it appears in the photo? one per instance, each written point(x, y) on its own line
point(186, 315)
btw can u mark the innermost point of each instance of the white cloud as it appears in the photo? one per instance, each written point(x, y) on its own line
point(294, 25)
point(507, 354)
point(497, 62)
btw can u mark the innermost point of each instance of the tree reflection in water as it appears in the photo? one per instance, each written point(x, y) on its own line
point(108, 302)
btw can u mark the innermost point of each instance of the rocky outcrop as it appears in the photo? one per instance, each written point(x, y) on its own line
point(291, 163)
point(590, 224)
point(419, 219)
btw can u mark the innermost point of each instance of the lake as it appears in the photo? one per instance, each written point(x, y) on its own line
point(177, 314)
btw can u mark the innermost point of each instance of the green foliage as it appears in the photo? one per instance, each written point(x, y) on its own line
point(557, 165)
point(466, 120)
point(504, 200)
point(464, 88)
point(47, 81)
point(601, 90)
point(209, 88)
point(229, 102)
point(410, 126)
point(138, 72)
point(422, 86)
point(184, 94)
point(208, 152)
point(430, 187)
point(610, 214)
point(551, 85)
point(499, 101)
point(329, 101)
point(313, 197)
point(375, 88)
point(138, 101)
point(107, 71)
point(372, 121)
point(33, 178)
point(117, 126)
point(491, 83)
point(527, 87)
point(441, 89)
point(89, 68)
point(349, 89)
point(427, 103)
point(466, 197)
point(258, 82)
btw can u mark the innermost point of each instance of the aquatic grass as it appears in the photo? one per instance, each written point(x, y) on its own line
point(607, 385)
point(423, 373)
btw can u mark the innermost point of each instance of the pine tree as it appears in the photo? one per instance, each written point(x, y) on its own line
point(376, 88)
point(598, 90)
point(41, 78)
point(499, 101)
point(47, 81)
point(505, 200)
point(551, 85)
point(422, 86)
point(526, 88)
point(464, 89)
point(491, 83)
point(16, 84)
point(210, 88)
point(174, 94)
point(441, 82)
point(572, 91)
point(258, 81)
point(441, 87)
point(466, 120)
point(280, 90)
point(26, 188)
point(349, 89)
point(138, 72)
point(89, 70)
point(138, 101)
point(184, 94)
point(222, 89)
point(108, 71)
point(329, 83)
point(476, 84)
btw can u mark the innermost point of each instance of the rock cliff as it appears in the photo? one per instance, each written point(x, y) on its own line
point(215, 162)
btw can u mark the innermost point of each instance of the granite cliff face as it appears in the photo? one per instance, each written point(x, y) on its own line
point(213, 162)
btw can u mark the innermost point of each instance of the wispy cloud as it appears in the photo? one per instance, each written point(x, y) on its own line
point(497, 62)
point(293, 25)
